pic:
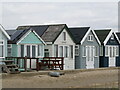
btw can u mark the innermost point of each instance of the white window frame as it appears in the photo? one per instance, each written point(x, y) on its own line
point(90, 37)
point(76, 50)
point(25, 49)
point(114, 49)
point(3, 48)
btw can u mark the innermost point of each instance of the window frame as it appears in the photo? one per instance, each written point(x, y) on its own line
point(90, 37)
point(71, 51)
point(77, 50)
point(10, 49)
point(64, 36)
point(3, 47)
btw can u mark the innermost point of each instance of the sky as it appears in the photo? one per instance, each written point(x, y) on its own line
point(97, 15)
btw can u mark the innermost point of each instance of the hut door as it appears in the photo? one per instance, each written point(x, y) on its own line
point(112, 56)
point(89, 57)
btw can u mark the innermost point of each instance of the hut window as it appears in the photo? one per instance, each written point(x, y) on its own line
point(56, 50)
point(66, 52)
point(64, 36)
point(117, 51)
point(77, 50)
point(33, 51)
point(90, 38)
point(46, 52)
point(61, 51)
point(1, 49)
point(106, 51)
point(9, 50)
point(28, 51)
point(96, 50)
point(22, 50)
point(40, 50)
point(71, 51)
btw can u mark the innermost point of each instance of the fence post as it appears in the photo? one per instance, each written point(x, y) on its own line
point(62, 63)
point(37, 64)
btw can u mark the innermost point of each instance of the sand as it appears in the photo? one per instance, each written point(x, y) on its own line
point(105, 78)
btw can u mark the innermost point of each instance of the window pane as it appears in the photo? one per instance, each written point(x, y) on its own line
point(39, 50)
point(28, 51)
point(61, 51)
point(117, 51)
point(64, 36)
point(1, 51)
point(22, 50)
point(71, 51)
point(56, 50)
point(66, 52)
point(111, 52)
point(76, 50)
point(33, 51)
point(106, 50)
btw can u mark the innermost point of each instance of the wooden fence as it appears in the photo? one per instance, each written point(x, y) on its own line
point(27, 62)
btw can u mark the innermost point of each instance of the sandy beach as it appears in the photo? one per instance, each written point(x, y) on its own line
point(96, 78)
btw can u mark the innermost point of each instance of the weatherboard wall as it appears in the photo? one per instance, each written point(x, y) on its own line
point(81, 60)
point(104, 60)
point(4, 39)
point(69, 63)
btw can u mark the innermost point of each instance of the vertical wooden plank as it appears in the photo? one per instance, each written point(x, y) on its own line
point(37, 64)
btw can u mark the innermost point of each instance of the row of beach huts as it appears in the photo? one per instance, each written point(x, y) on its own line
point(81, 47)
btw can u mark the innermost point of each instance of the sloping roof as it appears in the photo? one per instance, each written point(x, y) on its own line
point(10, 32)
point(78, 33)
point(48, 33)
point(118, 35)
point(39, 29)
point(17, 35)
point(4, 32)
point(52, 32)
point(102, 34)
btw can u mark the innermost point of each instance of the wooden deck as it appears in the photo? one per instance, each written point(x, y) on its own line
point(48, 62)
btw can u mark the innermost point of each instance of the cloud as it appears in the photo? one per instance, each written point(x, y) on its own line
point(96, 15)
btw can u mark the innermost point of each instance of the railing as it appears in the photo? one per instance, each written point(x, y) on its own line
point(25, 62)
point(51, 63)
point(28, 63)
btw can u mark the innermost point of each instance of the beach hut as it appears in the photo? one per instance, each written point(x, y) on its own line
point(26, 43)
point(59, 42)
point(86, 49)
point(118, 61)
point(4, 37)
point(109, 49)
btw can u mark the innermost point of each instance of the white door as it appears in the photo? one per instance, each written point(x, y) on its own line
point(89, 57)
point(31, 52)
point(112, 60)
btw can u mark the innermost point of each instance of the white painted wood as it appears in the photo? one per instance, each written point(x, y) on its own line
point(69, 63)
point(112, 62)
point(89, 57)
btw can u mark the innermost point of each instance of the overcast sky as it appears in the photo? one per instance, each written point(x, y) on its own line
point(97, 15)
